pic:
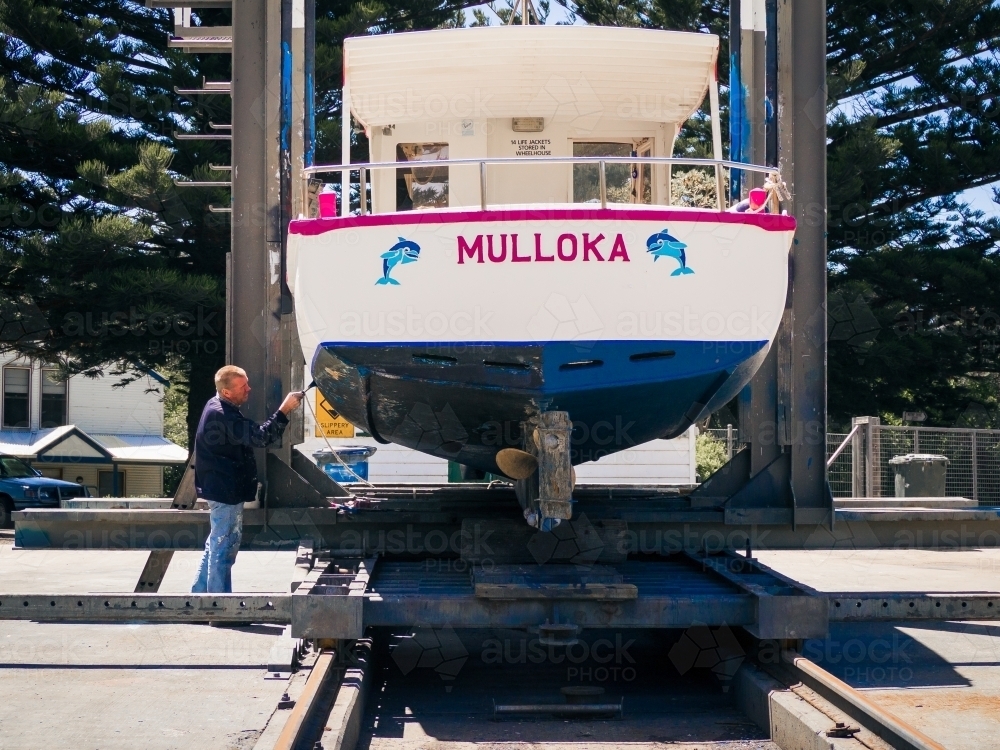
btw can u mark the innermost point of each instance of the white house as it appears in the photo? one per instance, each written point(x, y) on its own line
point(86, 430)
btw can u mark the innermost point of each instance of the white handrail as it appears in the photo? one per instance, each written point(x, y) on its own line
point(831, 459)
point(321, 168)
point(599, 161)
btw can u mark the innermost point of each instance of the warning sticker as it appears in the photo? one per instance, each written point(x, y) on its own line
point(329, 422)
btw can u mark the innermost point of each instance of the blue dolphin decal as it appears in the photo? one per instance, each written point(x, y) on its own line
point(404, 251)
point(665, 245)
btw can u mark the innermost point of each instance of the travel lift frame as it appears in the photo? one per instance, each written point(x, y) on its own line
point(778, 118)
point(461, 555)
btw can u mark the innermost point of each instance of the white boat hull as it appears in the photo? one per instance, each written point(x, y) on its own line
point(444, 330)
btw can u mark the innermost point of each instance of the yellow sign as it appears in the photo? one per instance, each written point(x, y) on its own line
point(329, 423)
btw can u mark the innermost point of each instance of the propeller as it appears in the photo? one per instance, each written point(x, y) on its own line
point(517, 464)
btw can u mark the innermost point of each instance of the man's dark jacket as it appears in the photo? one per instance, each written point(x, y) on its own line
point(224, 467)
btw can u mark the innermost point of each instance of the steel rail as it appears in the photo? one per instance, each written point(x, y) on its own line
point(195, 183)
point(189, 3)
point(292, 733)
point(201, 137)
point(198, 92)
point(887, 725)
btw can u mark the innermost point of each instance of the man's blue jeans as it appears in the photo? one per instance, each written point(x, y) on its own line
point(215, 573)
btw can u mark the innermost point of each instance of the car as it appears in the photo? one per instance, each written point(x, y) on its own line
point(23, 487)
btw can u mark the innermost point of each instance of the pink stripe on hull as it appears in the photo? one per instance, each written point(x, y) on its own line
point(767, 222)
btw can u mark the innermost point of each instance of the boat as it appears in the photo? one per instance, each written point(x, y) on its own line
point(511, 270)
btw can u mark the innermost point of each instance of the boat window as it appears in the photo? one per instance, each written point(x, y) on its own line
point(587, 177)
point(425, 186)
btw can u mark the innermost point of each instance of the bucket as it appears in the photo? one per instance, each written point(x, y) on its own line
point(327, 203)
point(355, 456)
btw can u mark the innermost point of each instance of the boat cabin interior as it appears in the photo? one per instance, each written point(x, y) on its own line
point(530, 93)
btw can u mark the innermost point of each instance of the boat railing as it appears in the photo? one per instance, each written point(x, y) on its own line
point(773, 182)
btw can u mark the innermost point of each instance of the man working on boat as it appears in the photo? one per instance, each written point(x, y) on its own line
point(225, 470)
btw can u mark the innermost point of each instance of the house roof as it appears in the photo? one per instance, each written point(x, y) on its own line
point(576, 73)
point(142, 448)
point(70, 444)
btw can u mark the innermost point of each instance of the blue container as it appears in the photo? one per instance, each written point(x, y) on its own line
point(355, 456)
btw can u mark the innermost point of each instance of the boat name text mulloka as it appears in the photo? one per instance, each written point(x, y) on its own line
point(569, 247)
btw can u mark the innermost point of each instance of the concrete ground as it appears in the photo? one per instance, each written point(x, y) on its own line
point(132, 685)
point(81, 686)
point(868, 570)
point(941, 677)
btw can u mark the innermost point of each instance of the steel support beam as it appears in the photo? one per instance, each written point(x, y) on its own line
point(753, 31)
point(249, 306)
point(802, 116)
point(867, 607)
point(260, 322)
point(246, 608)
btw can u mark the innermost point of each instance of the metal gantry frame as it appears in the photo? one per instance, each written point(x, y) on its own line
point(273, 133)
point(778, 119)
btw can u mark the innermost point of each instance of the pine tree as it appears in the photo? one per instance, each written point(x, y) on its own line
point(914, 298)
point(104, 263)
point(914, 87)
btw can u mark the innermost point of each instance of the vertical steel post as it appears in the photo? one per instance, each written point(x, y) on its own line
point(229, 306)
point(876, 469)
point(802, 116)
point(482, 185)
point(262, 203)
point(770, 101)
point(249, 303)
point(309, 82)
point(737, 112)
point(975, 469)
point(294, 198)
point(713, 99)
point(857, 459)
point(345, 143)
point(308, 98)
point(604, 185)
point(760, 413)
point(363, 190)
point(869, 459)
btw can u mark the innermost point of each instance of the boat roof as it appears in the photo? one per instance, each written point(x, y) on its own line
point(556, 72)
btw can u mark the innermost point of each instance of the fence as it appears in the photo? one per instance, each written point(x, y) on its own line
point(729, 437)
point(861, 467)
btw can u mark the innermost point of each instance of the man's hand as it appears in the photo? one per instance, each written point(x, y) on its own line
point(292, 401)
